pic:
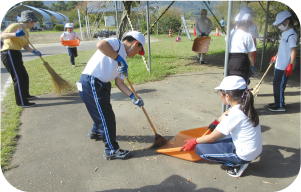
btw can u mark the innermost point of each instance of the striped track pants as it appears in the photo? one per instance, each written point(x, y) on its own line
point(96, 96)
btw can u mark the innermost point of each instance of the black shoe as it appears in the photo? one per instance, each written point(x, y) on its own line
point(237, 171)
point(27, 105)
point(202, 62)
point(119, 154)
point(31, 97)
point(275, 108)
point(93, 135)
point(271, 104)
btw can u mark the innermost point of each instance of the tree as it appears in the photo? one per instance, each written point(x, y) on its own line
point(127, 11)
point(58, 6)
point(37, 4)
point(71, 5)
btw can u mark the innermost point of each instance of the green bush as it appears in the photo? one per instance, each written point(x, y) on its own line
point(143, 27)
point(59, 27)
point(167, 23)
point(76, 25)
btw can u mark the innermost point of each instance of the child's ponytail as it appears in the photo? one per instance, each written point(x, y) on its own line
point(246, 100)
point(247, 107)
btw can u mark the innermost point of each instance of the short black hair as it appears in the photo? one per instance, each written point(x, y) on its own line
point(130, 39)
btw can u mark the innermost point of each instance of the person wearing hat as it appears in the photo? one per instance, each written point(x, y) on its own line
point(203, 27)
point(107, 64)
point(15, 38)
point(284, 59)
point(237, 137)
point(70, 35)
point(241, 58)
point(252, 28)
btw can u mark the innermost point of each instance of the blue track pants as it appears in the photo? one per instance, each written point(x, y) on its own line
point(279, 85)
point(96, 96)
point(222, 151)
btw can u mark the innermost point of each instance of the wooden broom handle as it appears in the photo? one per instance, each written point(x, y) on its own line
point(142, 106)
point(271, 63)
point(32, 46)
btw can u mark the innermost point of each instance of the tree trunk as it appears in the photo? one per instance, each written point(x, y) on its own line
point(124, 19)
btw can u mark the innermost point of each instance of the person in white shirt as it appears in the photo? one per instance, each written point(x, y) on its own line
point(107, 64)
point(236, 140)
point(242, 46)
point(70, 35)
point(203, 27)
point(284, 59)
point(252, 27)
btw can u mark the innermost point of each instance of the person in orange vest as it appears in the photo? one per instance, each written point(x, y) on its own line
point(203, 27)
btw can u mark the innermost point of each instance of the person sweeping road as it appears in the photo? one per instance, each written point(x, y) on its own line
point(237, 137)
point(15, 38)
point(109, 63)
point(284, 59)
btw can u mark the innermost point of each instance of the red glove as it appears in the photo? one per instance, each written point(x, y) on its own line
point(189, 144)
point(213, 125)
point(274, 58)
point(289, 70)
point(62, 40)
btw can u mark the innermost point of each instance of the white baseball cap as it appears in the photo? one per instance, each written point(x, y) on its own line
point(281, 17)
point(139, 37)
point(243, 17)
point(245, 10)
point(69, 25)
point(232, 83)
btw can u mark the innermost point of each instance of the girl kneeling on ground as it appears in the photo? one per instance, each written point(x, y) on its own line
point(237, 136)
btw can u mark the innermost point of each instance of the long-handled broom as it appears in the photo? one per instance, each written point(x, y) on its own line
point(159, 140)
point(255, 90)
point(59, 83)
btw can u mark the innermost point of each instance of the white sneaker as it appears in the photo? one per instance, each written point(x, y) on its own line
point(236, 171)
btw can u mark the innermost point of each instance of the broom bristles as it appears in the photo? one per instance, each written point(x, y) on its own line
point(60, 85)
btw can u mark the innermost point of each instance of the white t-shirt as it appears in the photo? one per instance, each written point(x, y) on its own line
point(288, 41)
point(241, 42)
point(69, 36)
point(246, 138)
point(103, 67)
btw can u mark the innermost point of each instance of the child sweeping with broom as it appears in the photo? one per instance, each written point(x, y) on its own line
point(238, 129)
point(107, 64)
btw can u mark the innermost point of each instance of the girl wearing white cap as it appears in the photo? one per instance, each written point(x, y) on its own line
point(242, 46)
point(15, 38)
point(284, 59)
point(107, 64)
point(237, 138)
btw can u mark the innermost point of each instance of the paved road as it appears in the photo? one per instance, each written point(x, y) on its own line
point(54, 153)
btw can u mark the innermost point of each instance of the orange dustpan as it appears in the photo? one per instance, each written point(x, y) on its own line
point(71, 43)
point(173, 147)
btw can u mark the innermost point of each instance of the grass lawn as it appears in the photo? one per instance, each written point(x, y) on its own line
point(77, 30)
point(168, 58)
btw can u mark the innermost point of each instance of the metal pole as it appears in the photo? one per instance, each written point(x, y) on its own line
point(86, 26)
point(80, 25)
point(265, 33)
point(116, 15)
point(227, 45)
point(148, 36)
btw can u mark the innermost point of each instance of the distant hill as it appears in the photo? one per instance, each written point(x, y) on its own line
point(188, 6)
point(48, 2)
